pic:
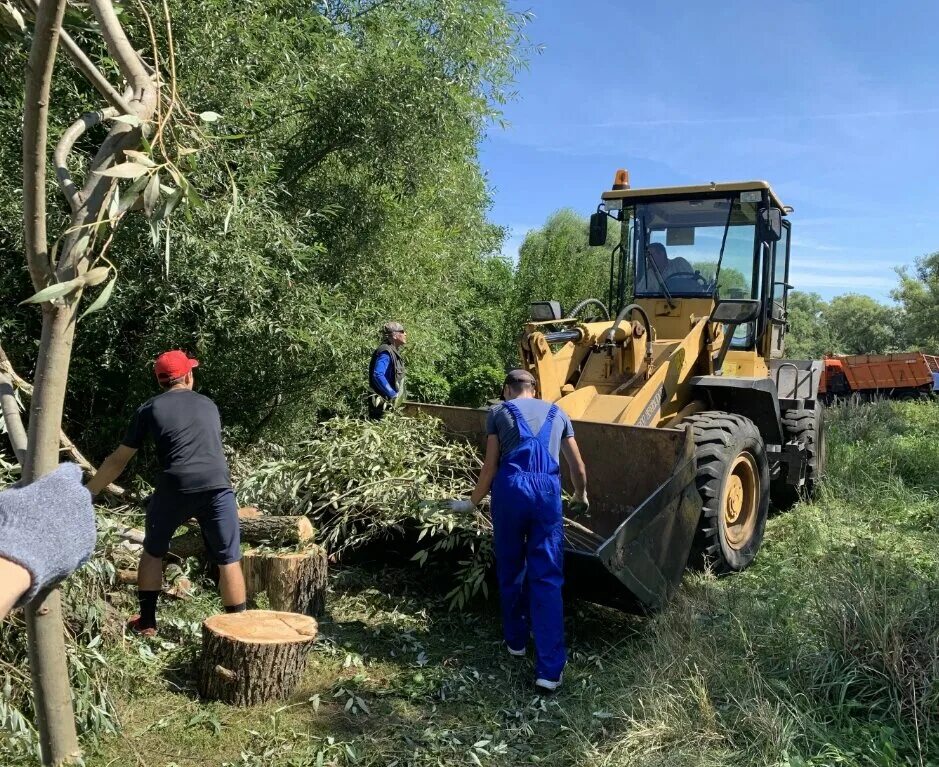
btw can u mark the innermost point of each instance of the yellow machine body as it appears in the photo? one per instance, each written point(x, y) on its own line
point(628, 383)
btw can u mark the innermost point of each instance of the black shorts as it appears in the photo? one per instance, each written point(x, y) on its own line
point(216, 512)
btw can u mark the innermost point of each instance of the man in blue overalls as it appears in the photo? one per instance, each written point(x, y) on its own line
point(526, 436)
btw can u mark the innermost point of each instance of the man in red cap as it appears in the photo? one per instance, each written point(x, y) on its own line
point(193, 482)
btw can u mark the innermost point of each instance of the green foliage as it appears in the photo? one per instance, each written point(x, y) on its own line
point(810, 335)
point(343, 189)
point(848, 324)
point(918, 295)
point(862, 325)
point(367, 481)
point(477, 386)
point(557, 263)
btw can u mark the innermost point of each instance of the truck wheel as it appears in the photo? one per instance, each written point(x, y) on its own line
point(808, 428)
point(733, 481)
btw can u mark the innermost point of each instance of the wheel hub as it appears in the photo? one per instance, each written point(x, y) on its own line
point(735, 499)
point(740, 500)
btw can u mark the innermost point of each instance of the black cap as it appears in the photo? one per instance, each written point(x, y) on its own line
point(519, 376)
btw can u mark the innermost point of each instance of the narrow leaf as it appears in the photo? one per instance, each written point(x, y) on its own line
point(151, 195)
point(124, 170)
point(128, 120)
point(155, 233)
point(141, 157)
point(129, 198)
point(95, 276)
point(114, 206)
point(102, 298)
point(12, 17)
point(209, 117)
point(53, 291)
point(166, 250)
point(81, 245)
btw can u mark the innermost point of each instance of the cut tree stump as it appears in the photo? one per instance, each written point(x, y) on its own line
point(254, 656)
point(294, 581)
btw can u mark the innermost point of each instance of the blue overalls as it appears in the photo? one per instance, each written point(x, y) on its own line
point(528, 538)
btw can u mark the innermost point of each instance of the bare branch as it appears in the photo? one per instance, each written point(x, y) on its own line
point(64, 147)
point(121, 49)
point(76, 455)
point(87, 68)
point(12, 418)
point(35, 135)
point(10, 377)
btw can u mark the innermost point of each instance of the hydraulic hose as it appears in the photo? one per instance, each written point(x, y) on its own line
point(586, 302)
point(623, 314)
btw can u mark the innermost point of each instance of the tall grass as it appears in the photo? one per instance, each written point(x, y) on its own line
point(827, 650)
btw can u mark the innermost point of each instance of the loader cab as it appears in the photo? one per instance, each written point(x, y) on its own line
point(683, 249)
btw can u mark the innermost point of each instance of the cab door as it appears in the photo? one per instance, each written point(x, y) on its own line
point(779, 294)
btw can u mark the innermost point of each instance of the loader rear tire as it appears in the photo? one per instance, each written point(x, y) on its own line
point(733, 481)
point(808, 427)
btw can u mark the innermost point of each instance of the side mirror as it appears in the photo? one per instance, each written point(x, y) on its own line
point(545, 311)
point(736, 311)
point(770, 224)
point(598, 229)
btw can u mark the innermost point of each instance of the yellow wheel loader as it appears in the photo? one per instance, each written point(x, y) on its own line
point(686, 413)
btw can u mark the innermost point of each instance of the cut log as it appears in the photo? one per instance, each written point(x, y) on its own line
point(276, 531)
point(294, 581)
point(177, 586)
point(254, 656)
point(273, 531)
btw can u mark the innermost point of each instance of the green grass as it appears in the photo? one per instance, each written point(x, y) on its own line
point(825, 652)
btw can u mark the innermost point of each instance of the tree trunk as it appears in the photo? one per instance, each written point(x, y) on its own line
point(294, 582)
point(254, 656)
point(295, 529)
point(55, 719)
point(275, 531)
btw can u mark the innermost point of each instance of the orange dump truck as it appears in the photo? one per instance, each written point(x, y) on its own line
point(910, 374)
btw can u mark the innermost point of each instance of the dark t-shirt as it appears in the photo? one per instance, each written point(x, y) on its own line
point(501, 423)
point(187, 432)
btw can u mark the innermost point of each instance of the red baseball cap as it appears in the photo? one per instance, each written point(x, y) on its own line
point(172, 365)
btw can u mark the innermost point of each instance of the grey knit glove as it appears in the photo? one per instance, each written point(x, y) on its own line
point(48, 527)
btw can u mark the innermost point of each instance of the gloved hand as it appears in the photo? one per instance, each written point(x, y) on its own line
point(579, 504)
point(461, 505)
point(48, 527)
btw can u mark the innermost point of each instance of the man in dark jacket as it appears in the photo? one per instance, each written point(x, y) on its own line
point(386, 370)
point(193, 482)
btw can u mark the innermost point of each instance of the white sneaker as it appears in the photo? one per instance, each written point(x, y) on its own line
point(546, 685)
point(517, 653)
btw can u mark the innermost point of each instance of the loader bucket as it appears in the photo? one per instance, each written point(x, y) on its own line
point(632, 548)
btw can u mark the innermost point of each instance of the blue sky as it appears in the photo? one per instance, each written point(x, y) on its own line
point(835, 104)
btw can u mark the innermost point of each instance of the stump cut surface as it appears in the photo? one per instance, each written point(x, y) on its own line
point(263, 627)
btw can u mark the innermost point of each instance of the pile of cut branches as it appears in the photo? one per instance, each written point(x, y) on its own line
point(362, 481)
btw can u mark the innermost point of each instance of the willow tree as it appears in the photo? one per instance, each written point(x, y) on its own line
point(148, 131)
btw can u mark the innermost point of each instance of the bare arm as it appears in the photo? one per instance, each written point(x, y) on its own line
point(576, 465)
point(488, 473)
point(111, 469)
point(15, 582)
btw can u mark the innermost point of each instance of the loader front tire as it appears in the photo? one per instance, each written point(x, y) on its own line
point(733, 481)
